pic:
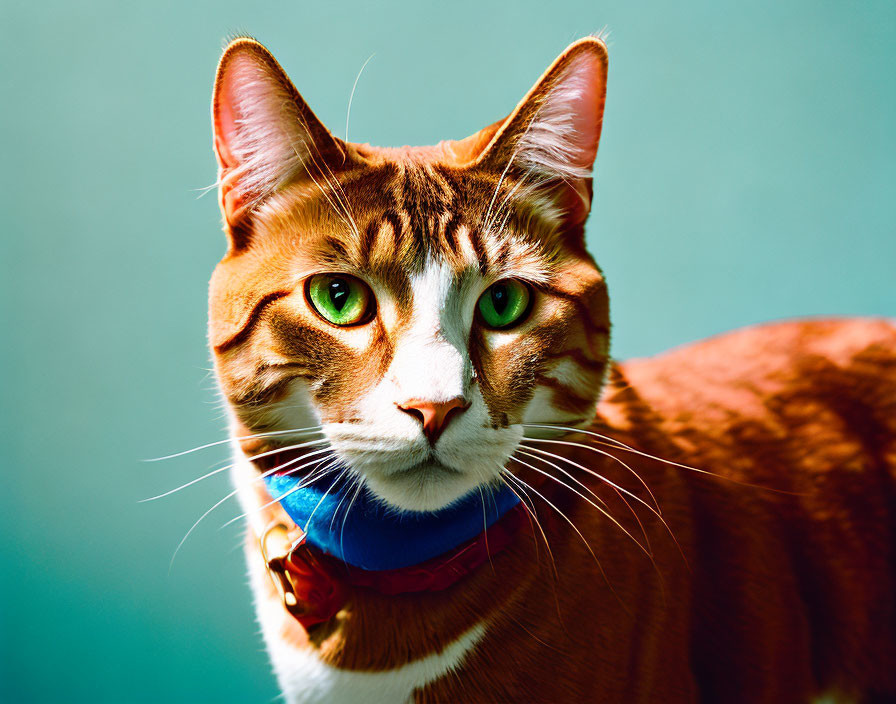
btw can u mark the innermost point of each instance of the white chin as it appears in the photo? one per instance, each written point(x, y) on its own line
point(425, 487)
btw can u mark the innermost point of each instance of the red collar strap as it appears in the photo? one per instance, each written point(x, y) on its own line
point(314, 585)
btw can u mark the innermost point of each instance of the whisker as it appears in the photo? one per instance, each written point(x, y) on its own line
point(336, 511)
point(345, 518)
point(602, 478)
point(565, 518)
point(271, 434)
point(351, 96)
point(489, 217)
point(316, 474)
point(578, 493)
point(605, 510)
point(533, 515)
point(596, 475)
point(529, 513)
point(308, 481)
point(485, 528)
point(234, 493)
point(338, 192)
point(618, 492)
point(605, 454)
point(323, 190)
point(329, 489)
point(619, 445)
point(568, 474)
point(230, 466)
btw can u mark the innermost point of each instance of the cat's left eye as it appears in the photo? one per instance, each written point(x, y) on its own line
point(504, 304)
point(340, 299)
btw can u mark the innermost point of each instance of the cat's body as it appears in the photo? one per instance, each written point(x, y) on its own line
point(746, 556)
point(786, 596)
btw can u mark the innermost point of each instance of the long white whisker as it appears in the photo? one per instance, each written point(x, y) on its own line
point(657, 510)
point(622, 446)
point(308, 481)
point(351, 96)
point(345, 517)
point(578, 493)
point(316, 474)
point(271, 434)
point(336, 510)
point(562, 515)
point(485, 527)
point(618, 488)
point(588, 489)
point(568, 474)
point(230, 466)
point(488, 218)
point(235, 492)
point(529, 505)
point(317, 505)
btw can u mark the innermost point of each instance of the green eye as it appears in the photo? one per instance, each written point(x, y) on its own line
point(340, 299)
point(504, 303)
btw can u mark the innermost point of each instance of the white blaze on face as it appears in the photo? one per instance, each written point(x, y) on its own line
point(431, 360)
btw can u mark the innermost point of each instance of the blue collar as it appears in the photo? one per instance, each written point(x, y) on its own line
point(372, 536)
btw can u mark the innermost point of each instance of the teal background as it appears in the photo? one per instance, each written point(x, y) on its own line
point(746, 173)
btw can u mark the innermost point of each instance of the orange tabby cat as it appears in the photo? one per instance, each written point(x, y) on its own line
point(421, 328)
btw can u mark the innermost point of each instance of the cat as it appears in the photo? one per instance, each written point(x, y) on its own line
point(454, 495)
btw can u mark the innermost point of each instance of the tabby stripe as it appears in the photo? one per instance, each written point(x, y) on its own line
point(394, 220)
point(583, 310)
point(367, 240)
point(579, 358)
point(268, 394)
point(503, 253)
point(449, 236)
point(250, 321)
point(337, 247)
point(570, 400)
point(478, 248)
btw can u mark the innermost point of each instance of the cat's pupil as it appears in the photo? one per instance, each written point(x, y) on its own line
point(500, 299)
point(339, 293)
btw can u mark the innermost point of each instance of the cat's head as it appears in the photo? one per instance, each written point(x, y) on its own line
point(418, 304)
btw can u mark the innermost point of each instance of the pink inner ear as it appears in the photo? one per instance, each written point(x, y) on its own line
point(585, 78)
point(243, 83)
point(225, 127)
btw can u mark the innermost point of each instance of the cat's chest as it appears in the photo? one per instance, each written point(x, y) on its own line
point(305, 678)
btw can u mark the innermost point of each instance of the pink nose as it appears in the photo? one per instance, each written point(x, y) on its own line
point(434, 416)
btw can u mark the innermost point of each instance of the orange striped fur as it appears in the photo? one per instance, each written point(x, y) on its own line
point(717, 528)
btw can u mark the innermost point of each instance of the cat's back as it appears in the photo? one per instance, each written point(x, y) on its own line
point(804, 572)
point(821, 390)
point(755, 371)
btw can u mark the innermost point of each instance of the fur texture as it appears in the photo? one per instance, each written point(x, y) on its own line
point(712, 525)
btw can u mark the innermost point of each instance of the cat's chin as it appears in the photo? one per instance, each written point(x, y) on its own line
point(427, 486)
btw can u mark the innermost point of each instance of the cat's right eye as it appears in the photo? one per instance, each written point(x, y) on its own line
point(340, 299)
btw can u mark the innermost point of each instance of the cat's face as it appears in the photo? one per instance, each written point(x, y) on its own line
point(420, 305)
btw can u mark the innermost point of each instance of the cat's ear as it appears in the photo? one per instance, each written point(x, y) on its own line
point(551, 138)
point(265, 134)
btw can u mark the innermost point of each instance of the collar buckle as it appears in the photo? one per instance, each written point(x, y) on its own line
point(277, 545)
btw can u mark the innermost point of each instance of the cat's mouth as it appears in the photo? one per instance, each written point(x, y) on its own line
point(301, 462)
point(430, 466)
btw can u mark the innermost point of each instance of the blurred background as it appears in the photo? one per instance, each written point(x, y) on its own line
point(746, 173)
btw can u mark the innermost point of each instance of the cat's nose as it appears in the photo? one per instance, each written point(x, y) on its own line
point(434, 416)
